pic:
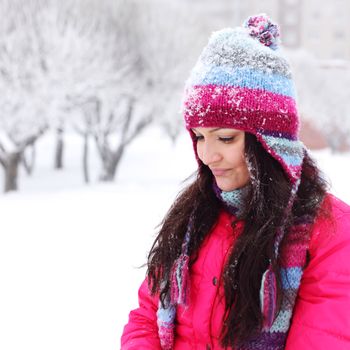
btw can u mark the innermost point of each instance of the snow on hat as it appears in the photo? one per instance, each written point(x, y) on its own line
point(243, 81)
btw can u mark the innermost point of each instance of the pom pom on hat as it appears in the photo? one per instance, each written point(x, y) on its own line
point(262, 28)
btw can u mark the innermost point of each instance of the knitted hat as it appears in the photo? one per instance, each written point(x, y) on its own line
point(243, 81)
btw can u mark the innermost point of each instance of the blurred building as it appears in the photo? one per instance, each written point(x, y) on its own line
point(325, 28)
point(320, 26)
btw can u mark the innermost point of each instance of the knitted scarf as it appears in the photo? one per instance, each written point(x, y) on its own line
point(292, 259)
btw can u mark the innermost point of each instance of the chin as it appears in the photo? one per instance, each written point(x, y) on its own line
point(226, 187)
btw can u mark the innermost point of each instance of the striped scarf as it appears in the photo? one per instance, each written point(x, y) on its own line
point(292, 256)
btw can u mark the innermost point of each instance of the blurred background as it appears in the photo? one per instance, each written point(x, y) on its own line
point(93, 149)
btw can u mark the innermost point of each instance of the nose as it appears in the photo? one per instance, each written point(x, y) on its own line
point(207, 153)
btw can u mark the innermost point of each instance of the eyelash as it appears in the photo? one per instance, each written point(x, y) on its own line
point(222, 139)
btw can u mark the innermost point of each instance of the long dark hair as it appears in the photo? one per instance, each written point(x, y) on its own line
point(269, 194)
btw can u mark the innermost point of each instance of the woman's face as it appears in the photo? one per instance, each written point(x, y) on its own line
point(222, 150)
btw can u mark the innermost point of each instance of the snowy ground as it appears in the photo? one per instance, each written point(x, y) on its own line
point(69, 253)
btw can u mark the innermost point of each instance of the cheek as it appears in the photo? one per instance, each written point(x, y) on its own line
point(238, 161)
point(236, 156)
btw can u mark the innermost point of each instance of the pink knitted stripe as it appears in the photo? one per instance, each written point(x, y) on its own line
point(249, 109)
point(166, 334)
point(295, 258)
point(293, 254)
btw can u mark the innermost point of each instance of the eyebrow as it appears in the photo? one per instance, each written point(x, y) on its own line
point(209, 131)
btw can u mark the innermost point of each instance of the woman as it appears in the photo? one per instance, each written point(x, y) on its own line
point(255, 253)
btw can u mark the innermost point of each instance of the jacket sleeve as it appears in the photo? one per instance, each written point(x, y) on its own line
point(321, 318)
point(141, 332)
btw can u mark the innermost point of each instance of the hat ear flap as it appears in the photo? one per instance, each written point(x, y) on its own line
point(194, 144)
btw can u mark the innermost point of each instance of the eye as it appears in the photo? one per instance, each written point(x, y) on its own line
point(198, 137)
point(226, 139)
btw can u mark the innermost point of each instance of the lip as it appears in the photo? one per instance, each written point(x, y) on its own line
point(219, 172)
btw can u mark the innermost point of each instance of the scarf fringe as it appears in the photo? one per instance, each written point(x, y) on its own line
point(166, 325)
point(180, 281)
point(268, 297)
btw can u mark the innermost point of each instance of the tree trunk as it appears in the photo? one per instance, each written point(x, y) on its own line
point(11, 171)
point(111, 163)
point(29, 164)
point(59, 149)
point(86, 159)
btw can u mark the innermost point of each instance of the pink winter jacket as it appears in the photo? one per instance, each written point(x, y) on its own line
point(321, 318)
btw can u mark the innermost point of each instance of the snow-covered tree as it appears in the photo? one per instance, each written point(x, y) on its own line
point(106, 99)
point(172, 41)
point(91, 68)
point(80, 45)
point(107, 68)
point(24, 98)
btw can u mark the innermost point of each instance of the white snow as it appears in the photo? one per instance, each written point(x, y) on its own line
point(69, 253)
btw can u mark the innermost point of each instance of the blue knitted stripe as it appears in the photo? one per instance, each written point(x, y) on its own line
point(166, 315)
point(291, 160)
point(244, 77)
point(233, 200)
point(283, 143)
point(282, 321)
point(292, 152)
point(291, 277)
